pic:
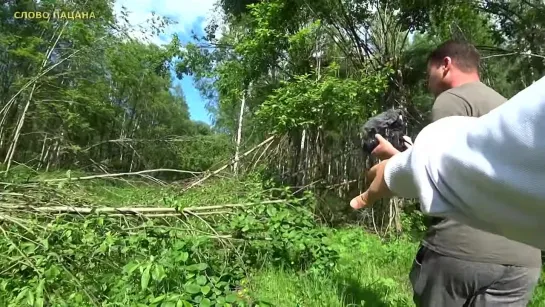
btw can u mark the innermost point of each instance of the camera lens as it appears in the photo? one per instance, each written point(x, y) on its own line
point(370, 145)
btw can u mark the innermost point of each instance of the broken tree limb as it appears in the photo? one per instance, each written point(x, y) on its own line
point(278, 201)
point(261, 155)
point(121, 174)
point(228, 164)
point(129, 211)
point(172, 214)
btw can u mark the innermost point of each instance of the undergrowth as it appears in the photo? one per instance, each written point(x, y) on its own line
point(273, 254)
point(189, 260)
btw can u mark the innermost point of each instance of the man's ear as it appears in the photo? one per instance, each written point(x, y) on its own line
point(447, 63)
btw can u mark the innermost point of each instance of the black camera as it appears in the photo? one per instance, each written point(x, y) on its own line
point(390, 125)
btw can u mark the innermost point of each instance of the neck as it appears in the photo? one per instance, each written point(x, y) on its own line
point(465, 78)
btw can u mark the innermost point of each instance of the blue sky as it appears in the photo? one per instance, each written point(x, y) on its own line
point(190, 15)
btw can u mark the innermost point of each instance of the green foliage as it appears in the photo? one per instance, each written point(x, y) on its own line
point(370, 272)
point(96, 260)
point(268, 36)
point(236, 7)
point(80, 261)
point(312, 71)
point(284, 236)
point(309, 103)
point(414, 223)
point(104, 102)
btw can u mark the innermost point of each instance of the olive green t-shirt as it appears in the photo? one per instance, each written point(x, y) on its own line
point(454, 239)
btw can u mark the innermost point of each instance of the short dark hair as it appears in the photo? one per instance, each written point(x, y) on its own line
point(463, 54)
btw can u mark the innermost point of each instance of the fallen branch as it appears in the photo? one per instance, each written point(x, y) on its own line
point(340, 184)
point(11, 194)
point(172, 214)
point(130, 211)
point(278, 201)
point(261, 155)
point(133, 140)
point(228, 164)
point(307, 186)
point(121, 174)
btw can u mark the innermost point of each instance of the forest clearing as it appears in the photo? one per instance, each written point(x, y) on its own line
point(256, 254)
point(113, 196)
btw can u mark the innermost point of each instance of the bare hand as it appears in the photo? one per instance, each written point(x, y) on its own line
point(384, 150)
point(376, 191)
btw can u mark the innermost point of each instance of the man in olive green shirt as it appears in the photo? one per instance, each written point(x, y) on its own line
point(457, 265)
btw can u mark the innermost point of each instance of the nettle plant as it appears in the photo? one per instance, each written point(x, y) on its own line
point(98, 261)
point(71, 260)
point(285, 235)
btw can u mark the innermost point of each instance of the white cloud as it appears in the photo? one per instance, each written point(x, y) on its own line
point(184, 12)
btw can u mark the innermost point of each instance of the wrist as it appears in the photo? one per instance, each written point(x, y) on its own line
point(392, 153)
point(398, 175)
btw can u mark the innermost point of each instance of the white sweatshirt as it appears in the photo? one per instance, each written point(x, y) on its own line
point(486, 172)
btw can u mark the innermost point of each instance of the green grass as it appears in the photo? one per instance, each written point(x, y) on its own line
point(122, 194)
point(370, 271)
point(538, 298)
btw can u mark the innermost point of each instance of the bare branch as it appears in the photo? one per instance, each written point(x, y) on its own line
point(121, 174)
point(228, 164)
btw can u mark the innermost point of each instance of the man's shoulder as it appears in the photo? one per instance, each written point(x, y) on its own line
point(470, 99)
point(475, 90)
point(449, 96)
point(451, 99)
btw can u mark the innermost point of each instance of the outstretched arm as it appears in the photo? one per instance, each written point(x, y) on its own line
point(487, 172)
point(447, 104)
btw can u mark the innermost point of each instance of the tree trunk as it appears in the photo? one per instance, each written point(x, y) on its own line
point(239, 132)
point(42, 153)
point(301, 166)
point(20, 123)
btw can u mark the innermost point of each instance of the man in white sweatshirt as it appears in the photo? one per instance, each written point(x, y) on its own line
point(458, 264)
point(495, 163)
